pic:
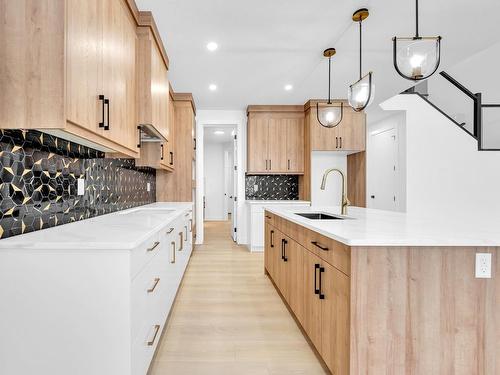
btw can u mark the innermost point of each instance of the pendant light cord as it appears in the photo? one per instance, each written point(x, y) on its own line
point(329, 79)
point(416, 19)
point(360, 49)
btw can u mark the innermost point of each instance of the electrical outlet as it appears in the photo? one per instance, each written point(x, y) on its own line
point(80, 186)
point(483, 265)
point(256, 188)
point(148, 186)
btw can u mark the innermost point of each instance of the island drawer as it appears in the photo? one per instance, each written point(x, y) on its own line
point(141, 255)
point(331, 251)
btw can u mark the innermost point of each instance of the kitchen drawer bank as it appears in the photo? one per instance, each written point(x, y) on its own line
point(90, 312)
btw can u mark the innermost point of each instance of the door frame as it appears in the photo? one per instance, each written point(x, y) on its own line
point(221, 119)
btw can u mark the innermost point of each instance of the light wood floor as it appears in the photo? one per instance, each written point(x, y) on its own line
point(229, 320)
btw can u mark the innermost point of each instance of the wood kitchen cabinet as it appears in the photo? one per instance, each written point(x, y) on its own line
point(349, 135)
point(69, 69)
point(153, 85)
point(155, 155)
point(317, 292)
point(275, 140)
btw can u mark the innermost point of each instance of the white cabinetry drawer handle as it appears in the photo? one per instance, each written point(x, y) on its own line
point(170, 230)
point(173, 252)
point(155, 245)
point(155, 283)
point(152, 341)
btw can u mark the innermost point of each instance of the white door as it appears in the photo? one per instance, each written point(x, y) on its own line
point(383, 155)
point(234, 214)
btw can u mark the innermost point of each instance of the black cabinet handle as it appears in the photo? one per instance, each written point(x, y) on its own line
point(194, 139)
point(270, 164)
point(315, 243)
point(336, 142)
point(101, 124)
point(106, 102)
point(321, 270)
point(283, 250)
point(272, 238)
point(161, 146)
point(340, 142)
point(288, 164)
point(139, 139)
point(316, 268)
point(171, 158)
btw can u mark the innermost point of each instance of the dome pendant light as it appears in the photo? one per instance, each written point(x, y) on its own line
point(416, 58)
point(361, 93)
point(328, 114)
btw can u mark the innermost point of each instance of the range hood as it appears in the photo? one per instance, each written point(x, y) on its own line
point(148, 133)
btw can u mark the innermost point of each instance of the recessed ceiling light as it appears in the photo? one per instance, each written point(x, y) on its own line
point(288, 87)
point(219, 132)
point(212, 46)
point(212, 87)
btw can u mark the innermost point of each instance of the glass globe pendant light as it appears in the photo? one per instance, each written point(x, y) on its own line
point(361, 93)
point(416, 58)
point(328, 114)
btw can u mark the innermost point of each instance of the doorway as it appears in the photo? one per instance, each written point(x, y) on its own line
point(220, 176)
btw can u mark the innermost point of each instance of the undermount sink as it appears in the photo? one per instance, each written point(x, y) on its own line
point(319, 216)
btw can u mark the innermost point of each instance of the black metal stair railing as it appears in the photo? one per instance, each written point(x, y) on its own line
point(477, 130)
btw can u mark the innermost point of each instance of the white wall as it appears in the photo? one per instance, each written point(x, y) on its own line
point(396, 121)
point(320, 162)
point(446, 175)
point(214, 181)
point(222, 117)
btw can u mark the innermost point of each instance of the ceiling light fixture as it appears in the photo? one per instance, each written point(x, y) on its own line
point(219, 132)
point(328, 114)
point(416, 58)
point(212, 87)
point(212, 46)
point(288, 87)
point(361, 93)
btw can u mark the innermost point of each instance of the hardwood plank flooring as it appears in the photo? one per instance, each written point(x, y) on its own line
point(229, 319)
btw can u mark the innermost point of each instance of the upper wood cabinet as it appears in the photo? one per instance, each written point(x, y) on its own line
point(349, 135)
point(275, 140)
point(154, 98)
point(69, 69)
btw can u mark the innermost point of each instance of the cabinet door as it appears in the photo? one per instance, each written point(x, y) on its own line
point(258, 138)
point(295, 254)
point(335, 287)
point(119, 60)
point(269, 248)
point(312, 303)
point(171, 132)
point(84, 63)
point(295, 145)
point(160, 95)
point(322, 139)
point(277, 147)
point(353, 133)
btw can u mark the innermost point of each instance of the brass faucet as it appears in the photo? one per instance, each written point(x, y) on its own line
point(345, 202)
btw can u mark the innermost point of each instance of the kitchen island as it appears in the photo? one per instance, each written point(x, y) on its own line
point(92, 297)
point(380, 292)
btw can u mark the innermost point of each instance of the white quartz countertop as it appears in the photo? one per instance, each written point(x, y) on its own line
point(369, 227)
point(122, 230)
point(280, 202)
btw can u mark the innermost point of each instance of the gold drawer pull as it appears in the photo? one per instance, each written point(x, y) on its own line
point(186, 215)
point(182, 240)
point(151, 290)
point(191, 225)
point(170, 230)
point(173, 251)
point(155, 245)
point(157, 328)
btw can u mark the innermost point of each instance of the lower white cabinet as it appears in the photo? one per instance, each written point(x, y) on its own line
point(90, 312)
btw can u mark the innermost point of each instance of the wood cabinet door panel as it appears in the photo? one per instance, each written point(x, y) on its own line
point(277, 147)
point(353, 133)
point(159, 92)
point(335, 330)
point(295, 254)
point(312, 303)
point(258, 139)
point(269, 248)
point(84, 36)
point(322, 139)
point(295, 145)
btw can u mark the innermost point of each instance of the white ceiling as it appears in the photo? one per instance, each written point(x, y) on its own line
point(265, 44)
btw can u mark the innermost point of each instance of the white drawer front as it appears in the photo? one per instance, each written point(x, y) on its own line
point(144, 253)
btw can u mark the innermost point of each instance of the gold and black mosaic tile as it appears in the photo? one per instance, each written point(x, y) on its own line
point(38, 182)
point(272, 187)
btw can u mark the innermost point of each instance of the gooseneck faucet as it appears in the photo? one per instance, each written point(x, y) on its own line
point(345, 202)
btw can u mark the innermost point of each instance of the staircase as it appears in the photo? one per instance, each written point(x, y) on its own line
point(462, 107)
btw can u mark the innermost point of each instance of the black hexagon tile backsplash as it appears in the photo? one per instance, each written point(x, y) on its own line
point(38, 182)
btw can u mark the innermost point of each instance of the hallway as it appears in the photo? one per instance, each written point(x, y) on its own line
point(228, 318)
